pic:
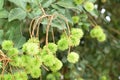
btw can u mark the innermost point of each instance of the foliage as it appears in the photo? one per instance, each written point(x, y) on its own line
point(57, 39)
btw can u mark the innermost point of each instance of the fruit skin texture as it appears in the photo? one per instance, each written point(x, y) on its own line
point(49, 60)
point(77, 32)
point(73, 57)
point(76, 35)
point(57, 65)
point(7, 44)
point(89, 6)
point(101, 38)
point(31, 48)
point(74, 41)
point(97, 32)
point(20, 76)
point(12, 52)
point(36, 73)
point(52, 47)
point(63, 44)
point(33, 40)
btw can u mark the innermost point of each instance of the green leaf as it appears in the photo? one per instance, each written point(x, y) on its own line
point(12, 29)
point(68, 16)
point(66, 4)
point(94, 13)
point(36, 12)
point(19, 41)
point(3, 22)
point(58, 8)
point(10, 33)
point(1, 36)
point(47, 3)
point(57, 23)
point(13, 33)
point(1, 4)
point(19, 3)
point(16, 13)
point(3, 13)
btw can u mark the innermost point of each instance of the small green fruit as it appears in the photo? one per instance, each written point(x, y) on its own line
point(76, 32)
point(101, 38)
point(103, 78)
point(74, 41)
point(12, 52)
point(36, 73)
point(73, 57)
point(52, 47)
point(89, 6)
point(49, 60)
point(63, 44)
point(75, 19)
point(7, 45)
point(95, 32)
point(57, 65)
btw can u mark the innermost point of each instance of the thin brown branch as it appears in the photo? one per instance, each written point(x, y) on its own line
point(48, 26)
point(53, 37)
point(45, 67)
point(43, 11)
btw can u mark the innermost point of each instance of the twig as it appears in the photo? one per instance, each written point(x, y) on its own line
point(53, 35)
point(43, 11)
point(45, 67)
point(48, 26)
